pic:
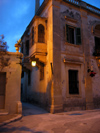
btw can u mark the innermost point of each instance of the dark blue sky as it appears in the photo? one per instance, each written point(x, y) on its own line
point(15, 15)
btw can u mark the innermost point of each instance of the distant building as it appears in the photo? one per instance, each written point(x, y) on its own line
point(64, 40)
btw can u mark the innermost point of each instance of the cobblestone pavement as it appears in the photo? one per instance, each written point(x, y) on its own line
point(37, 120)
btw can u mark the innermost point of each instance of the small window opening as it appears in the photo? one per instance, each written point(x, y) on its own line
point(27, 47)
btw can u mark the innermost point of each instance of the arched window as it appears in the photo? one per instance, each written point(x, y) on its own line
point(41, 34)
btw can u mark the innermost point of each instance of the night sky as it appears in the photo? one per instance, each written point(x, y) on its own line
point(15, 15)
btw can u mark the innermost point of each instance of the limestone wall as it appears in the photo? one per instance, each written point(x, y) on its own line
point(39, 90)
point(13, 83)
point(93, 20)
point(53, 90)
point(83, 54)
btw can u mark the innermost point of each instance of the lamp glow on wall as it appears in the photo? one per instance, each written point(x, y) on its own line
point(33, 63)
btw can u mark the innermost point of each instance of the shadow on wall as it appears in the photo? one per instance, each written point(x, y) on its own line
point(34, 102)
point(96, 102)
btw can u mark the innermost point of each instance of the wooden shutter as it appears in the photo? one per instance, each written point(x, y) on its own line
point(78, 36)
point(67, 35)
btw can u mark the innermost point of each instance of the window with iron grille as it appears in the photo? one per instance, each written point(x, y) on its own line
point(73, 82)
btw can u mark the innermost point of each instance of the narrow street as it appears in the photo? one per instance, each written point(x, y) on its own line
point(37, 120)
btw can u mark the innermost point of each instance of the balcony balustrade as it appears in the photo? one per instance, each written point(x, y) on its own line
point(84, 5)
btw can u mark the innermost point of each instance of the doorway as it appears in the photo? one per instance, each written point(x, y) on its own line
point(2, 89)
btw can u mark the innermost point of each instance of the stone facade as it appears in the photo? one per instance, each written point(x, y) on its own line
point(10, 83)
point(63, 55)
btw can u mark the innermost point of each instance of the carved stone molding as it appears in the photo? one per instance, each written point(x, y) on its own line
point(71, 14)
point(93, 24)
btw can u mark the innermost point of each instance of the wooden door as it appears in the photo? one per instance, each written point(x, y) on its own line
point(2, 89)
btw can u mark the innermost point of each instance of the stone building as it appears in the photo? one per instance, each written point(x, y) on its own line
point(63, 39)
point(10, 80)
point(10, 83)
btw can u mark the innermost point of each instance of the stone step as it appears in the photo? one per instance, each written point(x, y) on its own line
point(3, 112)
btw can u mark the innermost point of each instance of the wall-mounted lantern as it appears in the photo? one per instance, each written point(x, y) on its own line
point(33, 63)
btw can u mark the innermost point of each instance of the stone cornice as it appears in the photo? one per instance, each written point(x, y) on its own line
point(84, 5)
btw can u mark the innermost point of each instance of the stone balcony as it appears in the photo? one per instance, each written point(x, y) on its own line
point(39, 51)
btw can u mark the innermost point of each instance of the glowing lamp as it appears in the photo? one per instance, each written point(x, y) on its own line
point(33, 63)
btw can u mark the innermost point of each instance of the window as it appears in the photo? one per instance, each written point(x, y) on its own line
point(97, 43)
point(73, 35)
point(29, 77)
point(73, 82)
point(33, 36)
point(27, 47)
point(41, 34)
point(96, 31)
